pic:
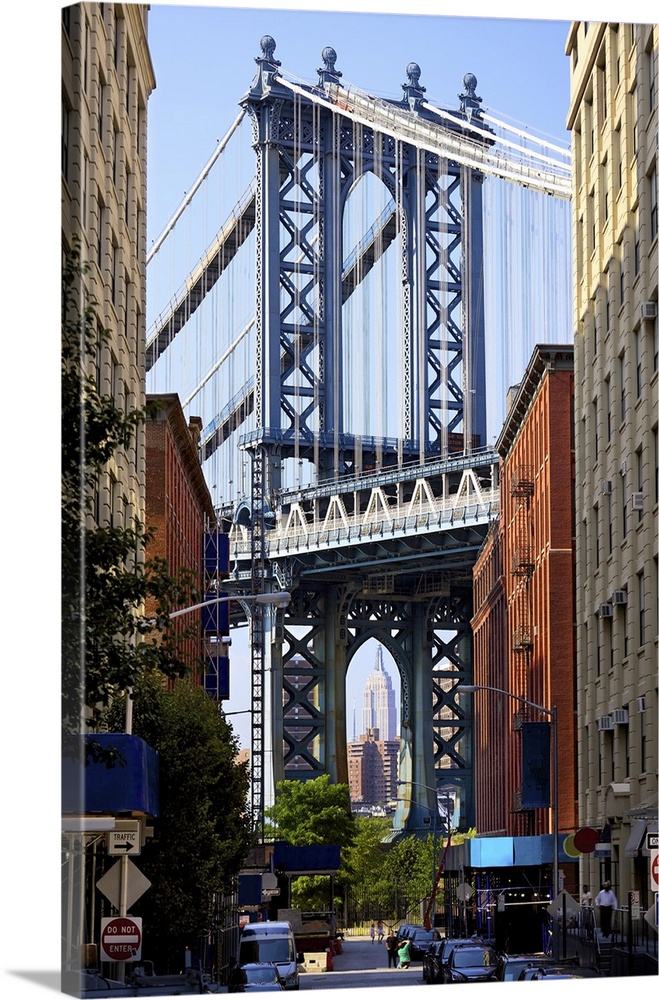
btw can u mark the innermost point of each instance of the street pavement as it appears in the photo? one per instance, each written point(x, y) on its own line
point(363, 963)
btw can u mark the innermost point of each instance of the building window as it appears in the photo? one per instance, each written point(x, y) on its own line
point(595, 431)
point(85, 62)
point(113, 273)
point(85, 183)
point(66, 125)
point(623, 485)
point(625, 742)
point(66, 20)
point(610, 524)
point(607, 310)
point(625, 633)
point(655, 440)
point(623, 389)
point(643, 742)
point(642, 610)
point(653, 203)
point(652, 71)
point(101, 224)
point(596, 516)
point(638, 337)
point(607, 406)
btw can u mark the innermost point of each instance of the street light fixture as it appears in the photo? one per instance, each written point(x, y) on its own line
point(553, 717)
point(278, 599)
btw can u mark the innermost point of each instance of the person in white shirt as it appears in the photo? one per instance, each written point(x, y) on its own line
point(607, 903)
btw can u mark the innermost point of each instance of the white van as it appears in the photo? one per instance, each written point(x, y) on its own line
point(271, 941)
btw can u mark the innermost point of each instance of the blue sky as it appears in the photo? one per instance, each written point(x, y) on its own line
point(203, 62)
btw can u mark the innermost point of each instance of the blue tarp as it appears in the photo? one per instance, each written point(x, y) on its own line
point(129, 785)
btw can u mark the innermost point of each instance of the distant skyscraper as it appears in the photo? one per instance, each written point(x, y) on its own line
point(379, 705)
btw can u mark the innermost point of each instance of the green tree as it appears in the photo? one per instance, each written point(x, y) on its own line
point(306, 813)
point(105, 579)
point(203, 832)
point(312, 812)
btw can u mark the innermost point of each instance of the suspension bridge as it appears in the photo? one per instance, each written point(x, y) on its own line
point(330, 329)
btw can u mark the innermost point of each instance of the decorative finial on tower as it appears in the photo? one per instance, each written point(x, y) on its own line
point(329, 73)
point(469, 102)
point(412, 90)
point(268, 46)
point(267, 66)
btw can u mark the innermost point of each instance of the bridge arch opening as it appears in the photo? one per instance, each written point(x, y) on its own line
point(370, 269)
point(373, 718)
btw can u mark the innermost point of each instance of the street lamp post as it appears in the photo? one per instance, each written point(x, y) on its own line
point(553, 717)
point(277, 599)
point(419, 784)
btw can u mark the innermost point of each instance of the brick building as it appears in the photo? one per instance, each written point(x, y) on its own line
point(523, 621)
point(373, 769)
point(178, 502)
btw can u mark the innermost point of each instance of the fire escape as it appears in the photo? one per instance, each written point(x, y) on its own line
point(523, 564)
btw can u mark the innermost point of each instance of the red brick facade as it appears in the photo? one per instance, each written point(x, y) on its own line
point(524, 614)
point(178, 502)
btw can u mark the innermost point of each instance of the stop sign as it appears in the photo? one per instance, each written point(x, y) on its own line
point(121, 939)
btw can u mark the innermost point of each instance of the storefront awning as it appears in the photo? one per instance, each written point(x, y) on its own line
point(635, 838)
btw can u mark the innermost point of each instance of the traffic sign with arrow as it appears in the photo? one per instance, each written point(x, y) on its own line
point(125, 839)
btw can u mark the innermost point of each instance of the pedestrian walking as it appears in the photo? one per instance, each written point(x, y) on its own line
point(391, 944)
point(380, 932)
point(372, 932)
point(404, 955)
point(586, 897)
point(607, 903)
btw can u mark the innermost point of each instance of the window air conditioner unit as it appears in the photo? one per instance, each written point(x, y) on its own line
point(640, 703)
point(604, 723)
point(648, 310)
point(619, 597)
point(623, 468)
point(620, 717)
point(605, 611)
point(606, 486)
point(637, 501)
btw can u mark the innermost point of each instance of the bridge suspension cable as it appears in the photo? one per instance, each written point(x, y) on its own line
point(221, 146)
point(444, 141)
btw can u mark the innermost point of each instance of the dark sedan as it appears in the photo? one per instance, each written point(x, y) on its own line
point(471, 963)
point(510, 967)
point(565, 972)
point(443, 955)
point(431, 962)
point(420, 940)
point(255, 977)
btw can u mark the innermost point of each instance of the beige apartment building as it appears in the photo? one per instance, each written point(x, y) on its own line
point(107, 77)
point(613, 118)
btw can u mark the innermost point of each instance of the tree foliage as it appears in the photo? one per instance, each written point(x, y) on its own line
point(203, 832)
point(312, 812)
point(105, 578)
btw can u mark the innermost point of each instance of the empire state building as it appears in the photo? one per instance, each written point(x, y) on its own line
point(379, 704)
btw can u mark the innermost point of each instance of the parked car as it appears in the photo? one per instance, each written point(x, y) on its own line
point(255, 978)
point(431, 962)
point(565, 972)
point(443, 955)
point(509, 967)
point(470, 963)
point(536, 964)
point(420, 939)
point(405, 931)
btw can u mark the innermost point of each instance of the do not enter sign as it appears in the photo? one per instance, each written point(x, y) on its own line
point(121, 939)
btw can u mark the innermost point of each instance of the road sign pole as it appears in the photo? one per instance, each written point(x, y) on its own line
point(123, 907)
